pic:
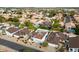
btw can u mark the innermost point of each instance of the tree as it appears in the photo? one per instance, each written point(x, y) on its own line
point(21, 26)
point(52, 13)
point(55, 23)
point(62, 30)
point(15, 23)
point(19, 12)
point(2, 19)
point(43, 27)
point(29, 25)
point(15, 19)
point(45, 44)
point(77, 31)
point(71, 13)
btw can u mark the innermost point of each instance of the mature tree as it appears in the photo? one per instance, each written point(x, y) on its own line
point(62, 30)
point(2, 19)
point(29, 25)
point(52, 13)
point(21, 26)
point(71, 13)
point(15, 23)
point(43, 27)
point(55, 23)
point(15, 19)
point(77, 31)
point(19, 12)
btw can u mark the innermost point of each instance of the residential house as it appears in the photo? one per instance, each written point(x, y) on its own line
point(11, 30)
point(39, 35)
point(22, 20)
point(74, 44)
point(68, 19)
point(76, 17)
point(58, 16)
point(69, 23)
point(46, 23)
point(25, 32)
point(70, 26)
point(54, 38)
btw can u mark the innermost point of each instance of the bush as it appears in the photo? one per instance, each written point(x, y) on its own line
point(61, 30)
point(71, 13)
point(52, 13)
point(19, 12)
point(21, 26)
point(15, 19)
point(43, 27)
point(56, 23)
point(29, 25)
point(45, 44)
point(15, 23)
point(77, 31)
point(2, 19)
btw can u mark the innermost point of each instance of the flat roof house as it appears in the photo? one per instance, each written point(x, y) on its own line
point(11, 30)
point(54, 38)
point(22, 33)
point(39, 35)
point(74, 44)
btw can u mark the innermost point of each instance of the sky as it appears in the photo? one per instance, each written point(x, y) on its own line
point(39, 3)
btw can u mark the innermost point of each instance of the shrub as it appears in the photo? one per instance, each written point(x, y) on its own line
point(77, 31)
point(45, 44)
point(55, 23)
point(15, 19)
point(29, 25)
point(2, 19)
point(21, 26)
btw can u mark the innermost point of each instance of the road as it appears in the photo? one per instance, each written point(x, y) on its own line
point(11, 43)
point(12, 46)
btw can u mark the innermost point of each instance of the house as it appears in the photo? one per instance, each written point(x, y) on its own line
point(54, 38)
point(76, 17)
point(68, 19)
point(46, 23)
point(22, 33)
point(11, 30)
point(58, 16)
point(39, 35)
point(22, 20)
point(70, 26)
point(74, 44)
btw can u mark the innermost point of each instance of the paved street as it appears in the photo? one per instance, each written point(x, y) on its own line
point(12, 44)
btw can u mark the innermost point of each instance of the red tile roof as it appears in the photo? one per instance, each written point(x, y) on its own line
point(22, 32)
point(38, 35)
point(12, 29)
